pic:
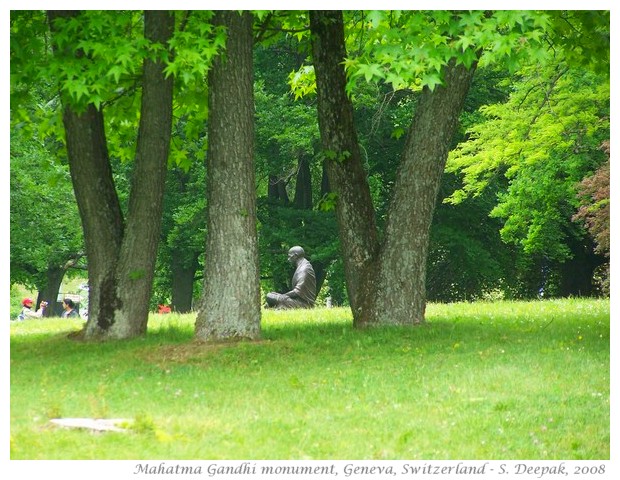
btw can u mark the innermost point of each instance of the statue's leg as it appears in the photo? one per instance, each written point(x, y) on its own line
point(272, 299)
point(278, 300)
point(288, 302)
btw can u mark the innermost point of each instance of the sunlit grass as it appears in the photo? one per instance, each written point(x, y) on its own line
point(506, 380)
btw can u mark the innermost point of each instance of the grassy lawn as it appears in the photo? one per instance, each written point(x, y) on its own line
point(505, 380)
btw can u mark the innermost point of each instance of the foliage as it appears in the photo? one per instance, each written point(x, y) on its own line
point(542, 141)
point(536, 181)
point(409, 49)
point(594, 192)
point(323, 390)
point(285, 131)
point(584, 38)
point(44, 222)
point(432, 39)
point(183, 228)
point(107, 71)
point(467, 259)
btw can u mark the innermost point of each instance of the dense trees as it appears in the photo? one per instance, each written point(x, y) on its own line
point(181, 251)
point(594, 194)
point(540, 160)
point(394, 93)
point(45, 235)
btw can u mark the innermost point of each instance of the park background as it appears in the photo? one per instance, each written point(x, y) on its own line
point(527, 177)
point(511, 221)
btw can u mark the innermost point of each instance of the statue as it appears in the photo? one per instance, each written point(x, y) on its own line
point(303, 284)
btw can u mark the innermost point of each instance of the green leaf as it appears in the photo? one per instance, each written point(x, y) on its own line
point(398, 132)
point(375, 18)
point(77, 89)
point(465, 41)
point(328, 202)
point(370, 72)
point(431, 80)
point(116, 71)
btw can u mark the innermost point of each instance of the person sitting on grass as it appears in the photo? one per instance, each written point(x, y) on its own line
point(27, 311)
point(69, 310)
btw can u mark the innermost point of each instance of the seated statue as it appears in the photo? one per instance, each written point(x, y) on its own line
point(303, 285)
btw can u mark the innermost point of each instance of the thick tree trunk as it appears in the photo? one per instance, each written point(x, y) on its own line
point(386, 285)
point(183, 274)
point(121, 262)
point(576, 274)
point(347, 177)
point(98, 204)
point(138, 252)
point(230, 304)
point(325, 188)
point(400, 281)
point(100, 211)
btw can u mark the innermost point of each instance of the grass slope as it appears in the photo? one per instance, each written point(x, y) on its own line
point(505, 380)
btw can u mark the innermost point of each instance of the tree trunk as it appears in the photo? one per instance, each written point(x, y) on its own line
point(98, 204)
point(138, 251)
point(303, 184)
point(400, 281)
point(183, 274)
point(100, 211)
point(230, 304)
point(386, 285)
point(276, 190)
point(121, 262)
point(347, 177)
point(576, 273)
point(325, 189)
point(49, 293)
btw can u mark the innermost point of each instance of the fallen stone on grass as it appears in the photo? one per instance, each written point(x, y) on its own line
point(97, 424)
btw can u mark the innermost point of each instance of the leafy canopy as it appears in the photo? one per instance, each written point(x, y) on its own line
point(542, 141)
point(101, 59)
point(409, 49)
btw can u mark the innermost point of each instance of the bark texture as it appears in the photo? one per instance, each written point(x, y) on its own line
point(183, 275)
point(138, 253)
point(121, 258)
point(347, 178)
point(400, 279)
point(303, 184)
point(53, 280)
point(230, 304)
point(386, 282)
point(100, 212)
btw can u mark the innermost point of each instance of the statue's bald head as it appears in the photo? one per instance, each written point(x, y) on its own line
point(295, 254)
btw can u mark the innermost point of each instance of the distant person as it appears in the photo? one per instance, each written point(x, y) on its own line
point(163, 308)
point(68, 308)
point(303, 285)
point(28, 312)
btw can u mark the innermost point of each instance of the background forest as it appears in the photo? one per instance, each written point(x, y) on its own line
point(523, 205)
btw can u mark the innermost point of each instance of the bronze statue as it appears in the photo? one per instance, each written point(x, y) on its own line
point(303, 285)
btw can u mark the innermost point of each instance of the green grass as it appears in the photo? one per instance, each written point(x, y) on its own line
point(505, 380)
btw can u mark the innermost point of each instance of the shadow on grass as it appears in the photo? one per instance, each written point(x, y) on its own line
point(325, 333)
